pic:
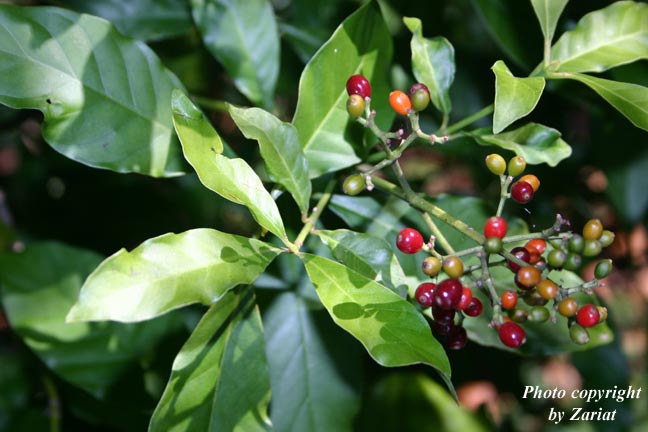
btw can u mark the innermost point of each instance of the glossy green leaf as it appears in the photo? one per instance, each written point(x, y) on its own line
point(412, 401)
point(168, 272)
point(391, 329)
point(315, 368)
point(243, 36)
point(548, 13)
point(141, 19)
point(514, 97)
point(535, 142)
point(542, 338)
point(106, 99)
point(360, 45)
point(631, 100)
point(432, 64)
point(603, 39)
point(233, 179)
point(370, 256)
point(192, 125)
point(91, 356)
point(219, 379)
point(280, 149)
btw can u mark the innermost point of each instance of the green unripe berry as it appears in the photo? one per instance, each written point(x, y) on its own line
point(493, 245)
point(431, 266)
point(607, 238)
point(534, 298)
point(593, 229)
point(355, 105)
point(516, 166)
point(556, 258)
point(579, 334)
point(576, 243)
point(573, 262)
point(538, 314)
point(354, 184)
point(519, 315)
point(603, 268)
point(420, 96)
point(495, 164)
point(592, 248)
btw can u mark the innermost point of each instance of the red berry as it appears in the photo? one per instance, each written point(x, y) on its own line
point(474, 308)
point(457, 338)
point(522, 192)
point(511, 334)
point(447, 294)
point(520, 253)
point(358, 84)
point(588, 315)
point(495, 226)
point(509, 299)
point(409, 241)
point(466, 296)
point(400, 102)
point(424, 294)
point(540, 245)
point(443, 315)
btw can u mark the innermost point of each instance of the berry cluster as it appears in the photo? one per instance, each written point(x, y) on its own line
point(448, 299)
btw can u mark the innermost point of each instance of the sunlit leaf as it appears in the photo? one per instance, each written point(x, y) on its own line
point(243, 36)
point(168, 272)
point(631, 100)
point(315, 368)
point(370, 256)
point(106, 99)
point(603, 39)
point(360, 45)
point(432, 64)
point(91, 356)
point(232, 179)
point(280, 150)
point(548, 13)
point(219, 379)
point(514, 97)
point(390, 328)
point(535, 142)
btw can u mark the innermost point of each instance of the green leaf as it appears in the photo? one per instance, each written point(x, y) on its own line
point(219, 379)
point(105, 98)
point(233, 179)
point(280, 150)
point(627, 186)
point(548, 13)
point(141, 19)
point(243, 36)
point(603, 39)
point(360, 45)
point(432, 64)
point(168, 272)
point(315, 369)
point(535, 142)
point(411, 401)
point(391, 329)
point(542, 338)
point(370, 256)
point(91, 356)
point(514, 97)
point(631, 100)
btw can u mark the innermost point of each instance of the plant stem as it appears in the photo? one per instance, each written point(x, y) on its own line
point(470, 119)
point(425, 206)
point(212, 104)
point(505, 181)
point(313, 218)
point(438, 235)
point(488, 281)
point(53, 404)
